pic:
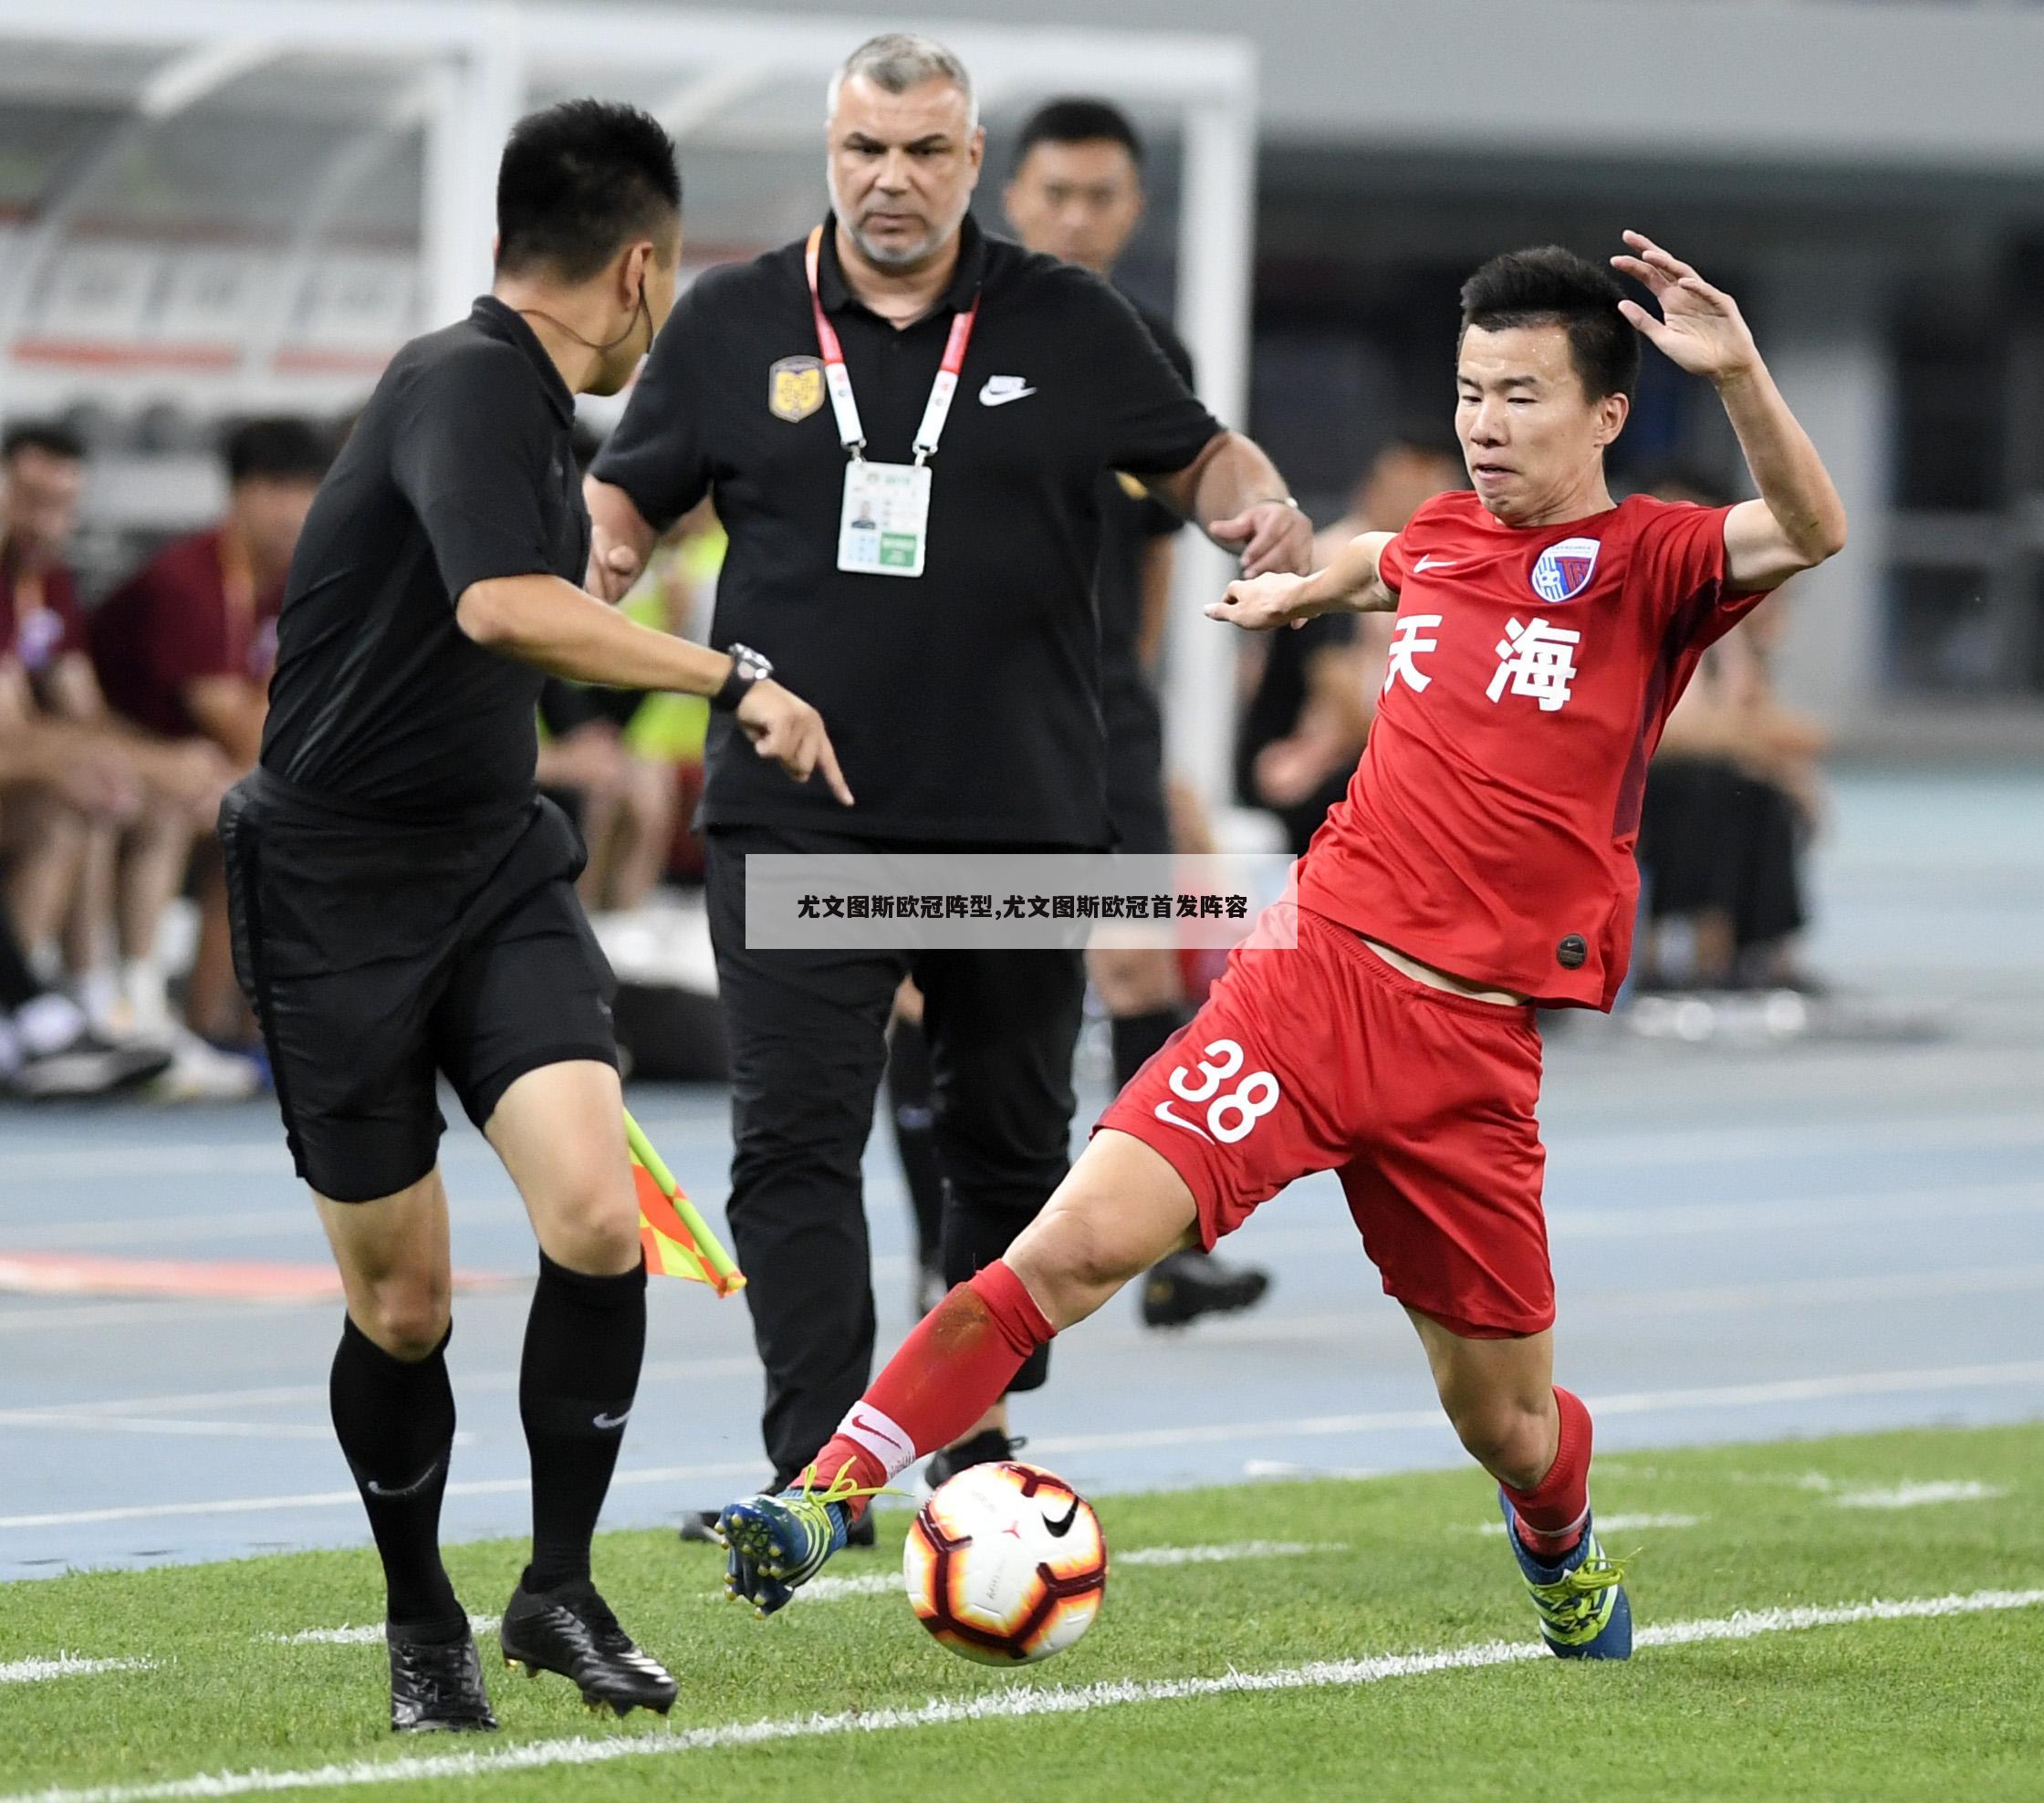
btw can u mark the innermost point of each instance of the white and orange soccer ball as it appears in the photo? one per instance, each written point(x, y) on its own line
point(1005, 1563)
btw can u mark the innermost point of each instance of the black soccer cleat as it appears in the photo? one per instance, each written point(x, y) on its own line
point(989, 1446)
point(1186, 1285)
point(436, 1686)
point(571, 1631)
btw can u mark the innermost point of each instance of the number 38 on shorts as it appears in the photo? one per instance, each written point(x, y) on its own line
point(1230, 1113)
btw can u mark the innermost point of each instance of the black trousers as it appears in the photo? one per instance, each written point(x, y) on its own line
point(1711, 837)
point(809, 1044)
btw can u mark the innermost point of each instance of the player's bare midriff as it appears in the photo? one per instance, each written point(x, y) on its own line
point(1441, 979)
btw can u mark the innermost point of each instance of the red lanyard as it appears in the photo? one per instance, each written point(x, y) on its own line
point(851, 433)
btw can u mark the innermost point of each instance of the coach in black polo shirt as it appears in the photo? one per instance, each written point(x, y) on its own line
point(964, 701)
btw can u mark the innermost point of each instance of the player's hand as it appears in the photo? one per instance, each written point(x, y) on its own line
point(785, 727)
point(613, 566)
point(1700, 328)
point(1272, 535)
point(1263, 603)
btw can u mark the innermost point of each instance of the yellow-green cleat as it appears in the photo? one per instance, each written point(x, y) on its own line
point(775, 1545)
point(1580, 1599)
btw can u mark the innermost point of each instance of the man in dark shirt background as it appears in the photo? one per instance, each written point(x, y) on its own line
point(185, 648)
point(87, 890)
point(404, 904)
point(1076, 194)
point(965, 700)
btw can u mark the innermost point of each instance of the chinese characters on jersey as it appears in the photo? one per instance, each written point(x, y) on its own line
point(1537, 658)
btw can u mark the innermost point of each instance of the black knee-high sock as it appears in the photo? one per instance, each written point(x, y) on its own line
point(912, 1102)
point(1137, 1038)
point(395, 1420)
point(585, 1341)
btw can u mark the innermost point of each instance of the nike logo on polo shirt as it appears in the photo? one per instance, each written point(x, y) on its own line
point(998, 391)
point(1425, 564)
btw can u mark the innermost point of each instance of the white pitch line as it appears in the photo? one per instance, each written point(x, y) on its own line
point(67, 1665)
point(229, 1430)
point(1591, 1150)
point(1635, 1402)
point(886, 1583)
point(1920, 1496)
point(278, 1395)
point(322, 1500)
point(1014, 1702)
point(1628, 1402)
point(363, 1636)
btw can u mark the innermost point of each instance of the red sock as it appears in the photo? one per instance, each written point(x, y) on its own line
point(1554, 1512)
point(950, 1370)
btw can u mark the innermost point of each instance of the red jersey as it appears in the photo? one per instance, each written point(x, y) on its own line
point(191, 613)
point(1488, 830)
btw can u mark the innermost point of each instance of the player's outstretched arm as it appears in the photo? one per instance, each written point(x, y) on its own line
point(566, 631)
point(1798, 520)
point(1351, 583)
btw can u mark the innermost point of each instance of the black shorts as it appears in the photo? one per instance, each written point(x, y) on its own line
point(378, 956)
point(1136, 765)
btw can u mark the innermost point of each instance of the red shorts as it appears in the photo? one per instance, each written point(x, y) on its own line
point(1325, 1057)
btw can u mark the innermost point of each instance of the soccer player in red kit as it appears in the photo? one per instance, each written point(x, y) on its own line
point(1481, 864)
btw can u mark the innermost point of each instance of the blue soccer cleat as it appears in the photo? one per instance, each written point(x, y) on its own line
point(776, 1544)
point(1581, 1599)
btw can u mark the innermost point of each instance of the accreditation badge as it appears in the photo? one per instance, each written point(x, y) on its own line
point(885, 522)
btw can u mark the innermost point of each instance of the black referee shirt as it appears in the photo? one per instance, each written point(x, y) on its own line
point(1131, 519)
point(963, 704)
point(458, 470)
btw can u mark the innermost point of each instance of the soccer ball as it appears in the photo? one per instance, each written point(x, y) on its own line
point(1005, 1563)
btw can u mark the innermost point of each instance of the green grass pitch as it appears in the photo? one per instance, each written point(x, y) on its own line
point(1944, 1699)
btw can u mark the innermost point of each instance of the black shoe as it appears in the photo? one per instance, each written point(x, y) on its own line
point(1187, 1285)
point(989, 1446)
point(699, 1527)
point(90, 1066)
point(570, 1630)
point(436, 1686)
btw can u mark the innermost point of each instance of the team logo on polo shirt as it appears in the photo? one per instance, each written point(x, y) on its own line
point(1564, 570)
point(794, 387)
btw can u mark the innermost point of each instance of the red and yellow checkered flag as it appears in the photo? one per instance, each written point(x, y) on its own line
point(677, 1240)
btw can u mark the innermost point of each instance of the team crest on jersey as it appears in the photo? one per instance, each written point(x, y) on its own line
point(1564, 570)
point(794, 387)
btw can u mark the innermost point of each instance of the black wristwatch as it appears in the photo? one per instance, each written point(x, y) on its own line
point(748, 667)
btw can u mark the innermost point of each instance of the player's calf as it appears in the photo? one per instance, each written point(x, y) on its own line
point(1576, 1591)
point(1121, 1208)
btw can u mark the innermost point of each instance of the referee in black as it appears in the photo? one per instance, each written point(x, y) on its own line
point(403, 902)
point(961, 682)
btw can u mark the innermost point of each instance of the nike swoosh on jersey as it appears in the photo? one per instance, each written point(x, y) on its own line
point(998, 391)
point(1425, 564)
